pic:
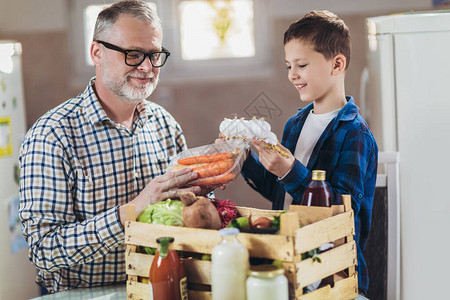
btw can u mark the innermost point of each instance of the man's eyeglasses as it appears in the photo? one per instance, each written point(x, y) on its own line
point(136, 57)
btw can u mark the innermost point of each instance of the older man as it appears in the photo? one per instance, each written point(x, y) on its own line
point(84, 161)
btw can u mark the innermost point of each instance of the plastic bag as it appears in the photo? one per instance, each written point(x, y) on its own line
point(217, 172)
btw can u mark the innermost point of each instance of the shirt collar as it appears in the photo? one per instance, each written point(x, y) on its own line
point(93, 109)
point(96, 114)
point(347, 113)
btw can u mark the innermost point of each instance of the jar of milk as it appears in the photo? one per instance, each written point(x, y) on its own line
point(229, 270)
point(267, 282)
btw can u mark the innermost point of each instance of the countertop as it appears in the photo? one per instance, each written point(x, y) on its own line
point(115, 292)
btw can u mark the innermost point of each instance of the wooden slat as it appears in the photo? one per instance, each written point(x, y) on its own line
point(137, 290)
point(343, 289)
point(311, 214)
point(198, 271)
point(331, 229)
point(289, 224)
point(199, 295)
point(138, 264)
point(347, 200)
point(256, 213)
point(332, 261)
point(203, 240)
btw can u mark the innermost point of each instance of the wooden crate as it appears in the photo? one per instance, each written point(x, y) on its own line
point(337, 266)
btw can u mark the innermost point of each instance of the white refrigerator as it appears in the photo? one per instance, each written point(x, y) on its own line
point(17, 274)
point(408, 109)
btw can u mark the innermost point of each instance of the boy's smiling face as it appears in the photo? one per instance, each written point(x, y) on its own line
point(309, 71)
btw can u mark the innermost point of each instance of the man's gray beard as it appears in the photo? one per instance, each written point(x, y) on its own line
point(124, 91)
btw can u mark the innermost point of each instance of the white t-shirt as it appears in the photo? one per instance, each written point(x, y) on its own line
point(313, 128)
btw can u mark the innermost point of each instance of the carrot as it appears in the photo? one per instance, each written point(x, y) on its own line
point(217, 180)
point(179, 167)
point(214, 168)
point(202, 159)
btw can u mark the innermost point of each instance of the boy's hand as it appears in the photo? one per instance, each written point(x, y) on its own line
point(272, 160)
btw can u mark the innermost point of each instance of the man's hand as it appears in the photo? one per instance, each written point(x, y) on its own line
point(272, 160)
point(160, 188)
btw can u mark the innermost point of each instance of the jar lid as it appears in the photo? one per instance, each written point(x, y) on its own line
point(265, 271)
point(229, 231)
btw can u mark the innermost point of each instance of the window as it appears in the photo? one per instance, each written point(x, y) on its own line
point(216, 29)
point(208, 39)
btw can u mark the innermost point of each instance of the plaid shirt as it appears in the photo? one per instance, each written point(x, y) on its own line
point(76, 167)
point(347, 151)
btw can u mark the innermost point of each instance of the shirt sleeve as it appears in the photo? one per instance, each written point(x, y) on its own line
point(259, 178)
point(296, 181)
point(56, 238)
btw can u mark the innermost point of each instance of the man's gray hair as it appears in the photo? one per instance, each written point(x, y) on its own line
point(108, 17)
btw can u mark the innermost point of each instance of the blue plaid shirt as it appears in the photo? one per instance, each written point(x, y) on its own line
point(76, 167)
point(347, 151)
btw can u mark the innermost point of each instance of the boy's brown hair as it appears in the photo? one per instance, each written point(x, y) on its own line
point(325, 30)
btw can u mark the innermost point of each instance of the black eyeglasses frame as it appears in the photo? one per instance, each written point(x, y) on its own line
point(146, 54)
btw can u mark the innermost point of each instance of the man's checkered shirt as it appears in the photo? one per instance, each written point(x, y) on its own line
point(76, 167)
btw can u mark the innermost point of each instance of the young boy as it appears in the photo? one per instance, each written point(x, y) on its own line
point(329, 134)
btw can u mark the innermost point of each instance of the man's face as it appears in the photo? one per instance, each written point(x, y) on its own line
point(131, 84)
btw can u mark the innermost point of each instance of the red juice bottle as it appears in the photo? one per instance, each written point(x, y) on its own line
point(167, 277)
point(318, 191)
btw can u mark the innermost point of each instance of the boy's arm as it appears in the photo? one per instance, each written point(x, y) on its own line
point(296, 181)
point(258, 177)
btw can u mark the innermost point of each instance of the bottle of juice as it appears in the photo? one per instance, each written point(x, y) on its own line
point(318, 194)
point(229, 270)
point(318, 191)
point(167, 277)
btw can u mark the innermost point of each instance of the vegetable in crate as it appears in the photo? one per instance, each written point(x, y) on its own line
point(199, 212)
point(227, 211)
point(262, 222)
point(168, 212)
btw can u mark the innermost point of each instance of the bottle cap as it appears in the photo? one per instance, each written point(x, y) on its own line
point(167, 238)
point(266, 271)
point(164, 245)
point(229, 231)
point(318, 175)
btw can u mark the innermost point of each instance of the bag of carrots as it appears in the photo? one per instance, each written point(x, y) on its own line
point(215, 164)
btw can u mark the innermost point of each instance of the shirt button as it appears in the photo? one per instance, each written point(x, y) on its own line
point(360, 196)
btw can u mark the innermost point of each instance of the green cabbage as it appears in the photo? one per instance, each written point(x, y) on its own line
point(168, 212)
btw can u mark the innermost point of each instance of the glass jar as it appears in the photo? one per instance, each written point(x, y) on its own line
point(267, 282)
